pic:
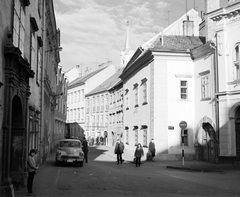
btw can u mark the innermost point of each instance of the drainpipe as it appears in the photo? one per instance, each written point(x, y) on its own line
point(216, 90)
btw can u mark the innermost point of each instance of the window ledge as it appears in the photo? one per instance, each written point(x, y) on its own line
point(127, 108)
point(145, 103)
point(136, 106)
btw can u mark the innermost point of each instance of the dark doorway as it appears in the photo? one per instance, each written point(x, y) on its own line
point(17, 152)
point(237, 130)
point(209, 146)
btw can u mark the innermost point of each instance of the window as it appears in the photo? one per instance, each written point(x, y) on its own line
point(39, 8)
point(78, 113)
point(68, 98)
point(136, 136)
point(82, 113)
point(106, 103)
point(127, 99)
point(75, 114)
point(101, 120)
point(82, 95)
point(127, 135)
point(72, 97)
point(88, 105)
point(113, 118)
point(144, 137)
point(39, 59)
point(33, 50)
point(97, 121)
point(94, 103)
point(136, 94)
point(106, 120)
point(87, 123)
point(185, 137)
point(114, 97)
point(71, 115)
point(205, 87)
point(183, 90)
point(98, 104)
point(93, 122)
point(144, 91)
point(19, 26)
point(236, 59)
point(102, 102)
point(79, 96)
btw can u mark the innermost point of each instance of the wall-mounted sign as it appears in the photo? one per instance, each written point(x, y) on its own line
point(170, 127)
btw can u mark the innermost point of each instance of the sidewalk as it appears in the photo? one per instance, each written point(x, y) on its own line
point(199, 166)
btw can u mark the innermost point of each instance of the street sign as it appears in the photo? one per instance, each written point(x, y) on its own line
point(183, 124)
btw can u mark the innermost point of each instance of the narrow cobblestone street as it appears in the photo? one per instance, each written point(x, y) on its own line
point(102, 177)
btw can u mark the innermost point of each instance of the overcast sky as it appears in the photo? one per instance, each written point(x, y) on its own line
point(94, 31)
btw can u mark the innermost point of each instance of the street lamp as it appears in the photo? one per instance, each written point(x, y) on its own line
point(55, 49)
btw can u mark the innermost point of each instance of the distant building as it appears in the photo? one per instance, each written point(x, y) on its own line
point(77, 89)
point(100, 118)
point(60, 107)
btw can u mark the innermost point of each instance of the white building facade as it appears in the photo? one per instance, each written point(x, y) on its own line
point(76, 105)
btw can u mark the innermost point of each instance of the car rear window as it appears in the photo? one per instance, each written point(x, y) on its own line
point(69, 144)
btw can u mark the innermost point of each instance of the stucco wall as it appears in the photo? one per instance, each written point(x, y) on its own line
point(137, 116)
point(169, 109)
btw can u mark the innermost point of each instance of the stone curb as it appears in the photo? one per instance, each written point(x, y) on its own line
point(194, 169)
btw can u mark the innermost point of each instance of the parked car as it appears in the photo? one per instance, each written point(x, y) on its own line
point(70, 151)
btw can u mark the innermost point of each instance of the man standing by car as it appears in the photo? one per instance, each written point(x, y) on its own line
point(85, 149)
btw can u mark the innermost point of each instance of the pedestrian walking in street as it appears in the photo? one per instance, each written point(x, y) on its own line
point(138, 154)
point(32, 167)
point(119, 147)
point(85, 149)
point(152, 149)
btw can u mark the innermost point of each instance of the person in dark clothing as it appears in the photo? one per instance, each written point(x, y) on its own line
point(138, 154)
point(152, 149)
point(85, 149)
point(119, 147)
point(31, 167)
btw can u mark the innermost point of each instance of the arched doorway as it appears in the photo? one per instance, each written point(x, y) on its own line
point(237, 130)
point(17, 151)
point(209, 149)
point(206, 140)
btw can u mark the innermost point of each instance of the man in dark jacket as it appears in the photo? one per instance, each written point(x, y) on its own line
point(85, 149)
point(119, 147)
point(152, 149)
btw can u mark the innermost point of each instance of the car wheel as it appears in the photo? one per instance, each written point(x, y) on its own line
point(81, 164)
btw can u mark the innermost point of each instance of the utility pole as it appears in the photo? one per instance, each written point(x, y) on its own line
point(168, 19)
point(186, 10)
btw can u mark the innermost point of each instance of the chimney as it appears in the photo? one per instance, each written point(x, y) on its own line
point(188, 27)
point(79, 68)
point(210, 25)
